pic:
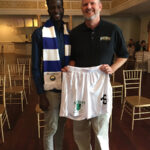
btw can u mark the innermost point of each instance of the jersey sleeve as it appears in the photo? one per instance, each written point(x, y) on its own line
point(36, 60)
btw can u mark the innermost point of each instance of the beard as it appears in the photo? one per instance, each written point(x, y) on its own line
point(93, 16)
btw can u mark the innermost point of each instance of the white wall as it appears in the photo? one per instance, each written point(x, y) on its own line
point(130, 26)
point(12, 29)
point(143, 29)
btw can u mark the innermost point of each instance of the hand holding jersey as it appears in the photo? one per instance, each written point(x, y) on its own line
point(111, 69)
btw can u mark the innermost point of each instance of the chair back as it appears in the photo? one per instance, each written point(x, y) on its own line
point(2, 66)
point(139, 56)
point(27, 62)
point(112, 77)
point(2, 90)
point(2, 60)
point(132, 81)
point(16, 74)
point(2, 69)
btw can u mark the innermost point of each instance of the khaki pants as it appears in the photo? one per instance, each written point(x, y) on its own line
point(54, 125)
point(82, 130)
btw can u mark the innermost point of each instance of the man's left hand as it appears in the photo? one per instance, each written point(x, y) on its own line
point(106, 68)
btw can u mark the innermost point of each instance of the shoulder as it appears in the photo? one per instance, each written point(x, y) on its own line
point(37, 32)
point(109, 26)
point(77, 29)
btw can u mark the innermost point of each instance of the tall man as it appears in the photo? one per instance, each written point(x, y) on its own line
point(50, 53)
point(93, 43)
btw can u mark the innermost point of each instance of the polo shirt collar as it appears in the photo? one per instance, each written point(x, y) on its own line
point(89, 29)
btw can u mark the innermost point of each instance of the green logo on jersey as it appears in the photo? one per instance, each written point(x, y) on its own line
point(79, 104)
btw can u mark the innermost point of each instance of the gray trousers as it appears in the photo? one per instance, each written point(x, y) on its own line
point(82, 132)
point(54, 125)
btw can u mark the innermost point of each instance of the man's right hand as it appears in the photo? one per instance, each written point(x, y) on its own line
point(43, 102)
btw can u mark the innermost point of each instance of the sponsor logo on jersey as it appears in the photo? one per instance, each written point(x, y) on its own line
point(78, 104)
point(104, 99)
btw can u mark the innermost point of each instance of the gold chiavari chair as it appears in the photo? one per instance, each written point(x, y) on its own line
point(16, 89)
point(3, 110)
point(117, 88)
point(40, 119)
point(117, 92)
point(2, 66)
point(27, 62)
point(134, 104)
point(139, 63)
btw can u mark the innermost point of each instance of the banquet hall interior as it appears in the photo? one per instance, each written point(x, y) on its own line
point(18, 20)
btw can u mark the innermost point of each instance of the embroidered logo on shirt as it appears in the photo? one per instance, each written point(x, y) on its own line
point(105, 38)
point(104, 99)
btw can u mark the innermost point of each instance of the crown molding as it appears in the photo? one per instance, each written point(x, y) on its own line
point(72, 7)
point(38, 7)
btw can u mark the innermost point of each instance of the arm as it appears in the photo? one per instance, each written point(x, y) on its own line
point(115, 66)
point(118, 63)
point(121, 52)
point(36, 68)
point(36, 61)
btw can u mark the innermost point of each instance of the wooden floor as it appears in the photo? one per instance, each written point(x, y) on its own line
point(23, 133)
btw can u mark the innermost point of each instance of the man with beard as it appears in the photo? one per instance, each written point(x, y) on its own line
point(94, 43)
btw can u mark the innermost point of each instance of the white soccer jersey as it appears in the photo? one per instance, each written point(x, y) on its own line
point(86, 93)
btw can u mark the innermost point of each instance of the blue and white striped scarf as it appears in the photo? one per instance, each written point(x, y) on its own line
point(51, 58)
